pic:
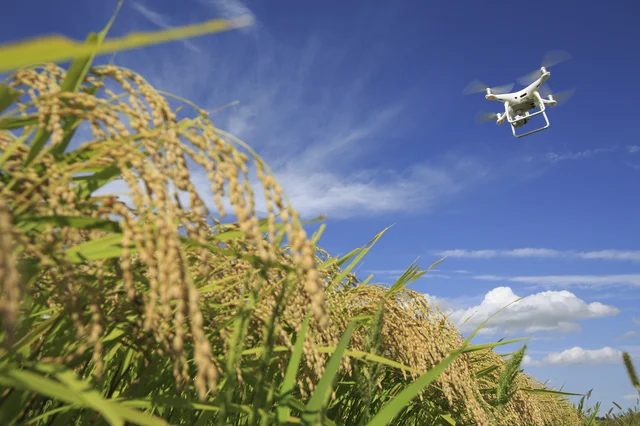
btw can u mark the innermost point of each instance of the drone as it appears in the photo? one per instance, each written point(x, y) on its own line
point(518, 105)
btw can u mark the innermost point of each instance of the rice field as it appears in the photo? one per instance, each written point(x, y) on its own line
point(171, 308)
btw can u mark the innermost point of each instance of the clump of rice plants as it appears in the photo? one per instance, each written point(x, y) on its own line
point(154, 310)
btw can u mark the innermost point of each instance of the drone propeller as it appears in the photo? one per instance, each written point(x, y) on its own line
point(560, 97)
point(550, 59)
point(485, 117)
point(476, 86)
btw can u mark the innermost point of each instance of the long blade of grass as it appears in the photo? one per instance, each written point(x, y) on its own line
point(322, 391)
point(360, 255)
point(386, 415)
point(286, 389)
point(57, 48)
point(7, 97)
point(549, 392)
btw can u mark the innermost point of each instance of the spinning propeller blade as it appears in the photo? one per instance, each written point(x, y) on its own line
point(485, 117)
point(555, 57)
point(549, 59)
point(560, 97)
point(476, 86)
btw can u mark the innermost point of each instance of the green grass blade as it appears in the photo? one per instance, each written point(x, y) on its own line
point(57, 48)
point(286, 389)
point(321, 394)
point(90, 184)
point(549, 392)
point(483, 346)
point(362, 252)
point(104, 248)
point(76, 222)
point(386, 415)
point(10, 123)
point(7, 97)
point(81, 64)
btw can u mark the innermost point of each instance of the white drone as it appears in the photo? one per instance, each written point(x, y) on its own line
point(517, 105)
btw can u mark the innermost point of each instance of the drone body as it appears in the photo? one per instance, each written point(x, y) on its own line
point(518, 106)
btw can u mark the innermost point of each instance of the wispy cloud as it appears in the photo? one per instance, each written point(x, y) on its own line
point(632, 396)
point(632, 149)
point(580, 155)
point(230, 9)
point(609, 254)
point(556, 311)
point(397, 273)
point(317, 120)
point(567, 280)
point(159, 20)
point(578, 356)
point(629, 335)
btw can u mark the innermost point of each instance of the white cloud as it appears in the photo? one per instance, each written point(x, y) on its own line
point(622, 255)
point(632, 149)
point(528, 361)
point(636, 321)
point(555, 157)
point(318, 123)
point(566, 280)
point(556, 311)
point(632, 396)
point(580, 356)
point(230, 9)
point(160, 20)
point(629, 334)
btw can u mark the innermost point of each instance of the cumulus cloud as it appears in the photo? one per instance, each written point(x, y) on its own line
point(609, 254)
point(528, 361)
point(567, 280)
point(556, 311)
point(580, 356)
point(577, 356)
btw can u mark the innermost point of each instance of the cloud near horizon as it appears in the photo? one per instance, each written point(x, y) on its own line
point(546, 253)
point(566, 280)
point(577, 356)
point(548, 311)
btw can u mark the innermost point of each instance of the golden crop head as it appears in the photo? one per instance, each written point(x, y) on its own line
point(137, 133)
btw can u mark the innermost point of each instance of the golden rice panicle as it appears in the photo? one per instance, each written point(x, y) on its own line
point(9, 277)
point(134, 129)
point(413, 334)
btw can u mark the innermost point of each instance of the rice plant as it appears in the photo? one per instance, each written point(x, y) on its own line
point(169, 308)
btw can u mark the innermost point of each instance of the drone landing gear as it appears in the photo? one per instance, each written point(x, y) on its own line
point(520, 121)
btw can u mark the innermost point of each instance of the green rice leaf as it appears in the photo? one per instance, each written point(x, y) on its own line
point(321, 393)
point(286, 388)
point(57, 48)
point(386, 415)
point(7, 97)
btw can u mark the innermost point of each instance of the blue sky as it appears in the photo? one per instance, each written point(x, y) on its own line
point(358, 108)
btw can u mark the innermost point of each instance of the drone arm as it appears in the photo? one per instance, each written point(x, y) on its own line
point(502, 117)
point(544, 101)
